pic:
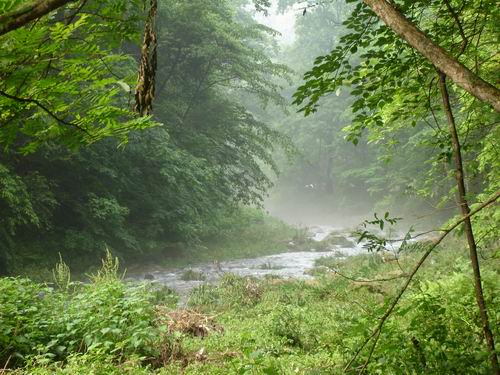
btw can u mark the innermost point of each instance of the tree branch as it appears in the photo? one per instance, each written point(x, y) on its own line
point(48, 111)
point(24, 14)
point(465, 41)
point(355, 280)
point(453, 69)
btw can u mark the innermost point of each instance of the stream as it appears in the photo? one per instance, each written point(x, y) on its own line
point(290, 264)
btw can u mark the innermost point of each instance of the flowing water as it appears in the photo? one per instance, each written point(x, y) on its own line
point(291, 264)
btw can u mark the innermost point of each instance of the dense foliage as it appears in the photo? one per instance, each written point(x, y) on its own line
point(399, 82)
point(64, 78)
point(105, 316)
point(169, 184)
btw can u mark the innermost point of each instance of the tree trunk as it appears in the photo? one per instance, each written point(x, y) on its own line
point(24, 14)
point(464, 206)
point(453, 69)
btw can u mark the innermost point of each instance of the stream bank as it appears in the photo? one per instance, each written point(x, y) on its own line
point(321, 241)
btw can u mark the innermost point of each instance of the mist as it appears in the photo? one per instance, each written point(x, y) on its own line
point(330, 180)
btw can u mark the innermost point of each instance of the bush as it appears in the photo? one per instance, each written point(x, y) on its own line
point(106, 315)
point(438, 329)
point(95, 363)
point(262, 326)
point(286, 322)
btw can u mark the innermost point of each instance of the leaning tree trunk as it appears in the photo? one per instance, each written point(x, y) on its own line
point(454, 70)
point(464, 206)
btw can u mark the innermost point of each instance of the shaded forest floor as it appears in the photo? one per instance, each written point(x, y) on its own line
point(254, 326)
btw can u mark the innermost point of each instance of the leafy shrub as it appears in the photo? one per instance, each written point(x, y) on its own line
point(204, 296)
point(94, 363)
point(240, 291)
point(286, 322)
point(438, 329)
point(275, 326)
point(233, 291)
point(23, 305)
point(163, 295)
point(105, 315)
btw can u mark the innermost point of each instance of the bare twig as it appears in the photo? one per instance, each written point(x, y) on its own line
point(368, 280)
point(4, 369)
point(415, 236)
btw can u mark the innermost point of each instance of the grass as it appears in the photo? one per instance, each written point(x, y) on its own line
point(265, 326)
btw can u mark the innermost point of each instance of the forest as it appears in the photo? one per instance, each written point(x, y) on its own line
point(249, 187)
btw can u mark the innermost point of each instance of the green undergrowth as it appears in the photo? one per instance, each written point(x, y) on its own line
point(264, 326)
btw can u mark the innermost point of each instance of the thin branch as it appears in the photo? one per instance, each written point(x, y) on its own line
point(429, 94)
point(372, 349)
point(71, 18)
point(375, 333)
point(465, 41)
point(400, 267)
point(417, 235)
point(48, 111)
point(361, 307)
point(114, 19)
point(368, 280)
point(4, 369)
